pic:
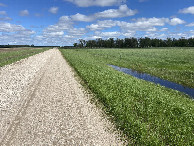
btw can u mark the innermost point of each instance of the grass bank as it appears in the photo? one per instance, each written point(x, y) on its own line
point(148, 114)
point(9, 57)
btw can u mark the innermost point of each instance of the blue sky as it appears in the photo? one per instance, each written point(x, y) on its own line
point(64, 22)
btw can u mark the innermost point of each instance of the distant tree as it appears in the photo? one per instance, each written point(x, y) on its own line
point(119, 43)
point(75, 44)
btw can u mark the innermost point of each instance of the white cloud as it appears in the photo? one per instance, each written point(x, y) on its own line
point(141, 24)
point(148, 22)
point(53, 10)
point(100, 25)
point(123, 11)
point(77, 32)
point(187, 10)
point(2, 5)
point(164, 29)
point(15, 34)
point(24, 13)
point(64, 23)
point(108, 34)
point(81, 17)
point(53, 34)
point(64, 26)
point(190, 24)
point(176, 21)
point(102, 3)
point(5, 18)
point(3, 13)
point(7, 27)
point(129, 29)
point(104, 35)
point(61, 32)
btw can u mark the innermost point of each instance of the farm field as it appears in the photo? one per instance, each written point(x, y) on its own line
point(148, 114)
point(10, 55)
point(175, 65)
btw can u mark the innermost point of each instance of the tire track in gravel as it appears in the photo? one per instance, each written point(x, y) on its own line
point(54, 109)
point(16, 83)
point(34, 87)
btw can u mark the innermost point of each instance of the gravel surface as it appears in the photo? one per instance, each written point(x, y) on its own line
point(41, 103)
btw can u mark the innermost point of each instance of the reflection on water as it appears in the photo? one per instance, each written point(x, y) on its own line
point(147, 77)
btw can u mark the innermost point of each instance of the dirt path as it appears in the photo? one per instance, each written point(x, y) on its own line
point(41, 103)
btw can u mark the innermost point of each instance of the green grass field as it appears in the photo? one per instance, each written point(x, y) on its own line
point(175, 65)
point(148, 114)
point(9, 57)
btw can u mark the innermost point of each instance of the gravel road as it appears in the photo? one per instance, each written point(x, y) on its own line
point(41, 103)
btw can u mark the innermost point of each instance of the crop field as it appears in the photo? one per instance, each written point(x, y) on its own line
point(175, 65)
point(8, 56)
point(147, 113)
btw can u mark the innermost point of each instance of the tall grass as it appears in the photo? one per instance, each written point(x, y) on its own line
point(148, 114)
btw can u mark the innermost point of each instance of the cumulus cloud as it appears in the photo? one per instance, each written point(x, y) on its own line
point(123, 11)
point(64, 23)
point(81, 17)
point(149, 22)
point(53, 10)
point(15, 34)
point(76, 32)
point(141, 24)
point(7, 27)
point(130, 28)
point(187, 10)
point(54, 34)
point(113, 34)
point(102, 3)
point(5, 18)
point(3, 13)
point(176, 21)
point(24, 13)
point(2, 5)
point(62, 31)
point(100, 25)
point(190, 24)
point(164, 29)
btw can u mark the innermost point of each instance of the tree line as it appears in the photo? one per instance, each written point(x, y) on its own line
point(13, 46)
point(19, 46)
point(135, 43)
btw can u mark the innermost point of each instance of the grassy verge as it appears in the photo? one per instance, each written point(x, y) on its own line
point(148, 114)
point(13, 56)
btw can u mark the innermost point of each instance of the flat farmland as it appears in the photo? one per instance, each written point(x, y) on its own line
point(149, 114)
point(16, 49)
point(176, 65)
point(10, 55)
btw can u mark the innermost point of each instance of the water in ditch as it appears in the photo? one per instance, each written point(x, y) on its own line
point(147, 77)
